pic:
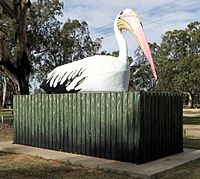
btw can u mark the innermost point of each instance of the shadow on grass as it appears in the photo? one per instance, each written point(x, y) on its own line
point(191, 120)
point(193, 143)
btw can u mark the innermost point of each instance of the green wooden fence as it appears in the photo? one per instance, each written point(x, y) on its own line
point(127, 126)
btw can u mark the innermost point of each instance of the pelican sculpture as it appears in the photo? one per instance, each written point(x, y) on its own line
point(101, 72)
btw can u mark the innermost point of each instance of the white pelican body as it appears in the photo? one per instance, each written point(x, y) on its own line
point(101, 72)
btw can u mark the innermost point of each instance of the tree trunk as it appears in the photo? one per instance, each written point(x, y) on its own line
point(24, 84)
point(20, 74)
point(190, 100)
point(23, 63)
point(4, 91)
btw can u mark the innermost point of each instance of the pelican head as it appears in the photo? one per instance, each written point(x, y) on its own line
point(130, 21)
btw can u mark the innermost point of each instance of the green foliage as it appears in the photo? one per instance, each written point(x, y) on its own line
point(77, 43)
point(43, 33)
point(141, 77)
point(178, 60)
point(8, 26)
point(187, 78)
point(53, 44)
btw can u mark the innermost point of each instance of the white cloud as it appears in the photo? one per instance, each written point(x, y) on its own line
point(157, 17)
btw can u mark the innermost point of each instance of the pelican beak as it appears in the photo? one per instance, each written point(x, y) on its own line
point(132, 23)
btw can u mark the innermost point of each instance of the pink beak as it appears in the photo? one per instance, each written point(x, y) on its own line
point(138, 32)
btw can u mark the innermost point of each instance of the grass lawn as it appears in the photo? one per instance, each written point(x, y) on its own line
point(188, 171)
point(191, 142)
point(15, 166)
point(6, 132)
point(23, 166)
point(191, 120)
point(6, 113)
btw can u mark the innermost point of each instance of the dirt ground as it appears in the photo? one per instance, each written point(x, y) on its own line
point(15, 166)
point(23, 166)
point(6, 132)
point(6, 129)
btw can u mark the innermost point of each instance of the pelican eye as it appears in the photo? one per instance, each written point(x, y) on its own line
point(121, 13)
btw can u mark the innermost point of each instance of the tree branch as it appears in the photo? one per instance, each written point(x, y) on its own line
point(4, 58)
point(7, 9)
point(5, 64)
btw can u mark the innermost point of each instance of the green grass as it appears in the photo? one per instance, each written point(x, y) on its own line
point(5, 112)
point(21, 166)
point(5, 138)
point(6, 132)
point(188, 171)
point(191, 120)
point(191, 142)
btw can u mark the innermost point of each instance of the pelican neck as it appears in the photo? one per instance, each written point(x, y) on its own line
point(123, 52)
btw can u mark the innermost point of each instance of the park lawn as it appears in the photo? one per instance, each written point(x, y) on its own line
point(6, 132)
point(190, 170)
point(23, 166)
point(192, 142)
point(191, 120)
point(6, 138)
point(5, 112)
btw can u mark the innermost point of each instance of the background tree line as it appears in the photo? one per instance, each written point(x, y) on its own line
point(33, 41)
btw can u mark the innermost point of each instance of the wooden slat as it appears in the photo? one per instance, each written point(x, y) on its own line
point(125, 128)
point(62, 127)
point(15, 119)
point(74, 123)
point(113, 125)
point(137, 133)
point(57, 122)
point(130, 126)
point(103, 126)
point(46, 120)
point(98, 124)
point(88, 124)
point(66, 122)
point(108, 125)
point(78, 124)
point(39, 120)
point(70, 124)
point(23, 111)
point(119, 126)
point(83, 123)
point(28, 117)
point(93, 127)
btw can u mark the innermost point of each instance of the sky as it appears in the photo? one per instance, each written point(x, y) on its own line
point(156, 16)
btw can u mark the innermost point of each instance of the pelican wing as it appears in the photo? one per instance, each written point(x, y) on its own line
point(95, 73)
point(65, 78)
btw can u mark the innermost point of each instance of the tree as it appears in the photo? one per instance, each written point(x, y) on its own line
point(19, 70)
point(38, 42)
point(177, 61)
point(187, 78)
point(67, 44)
point(141, 77)
point(43, 34)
